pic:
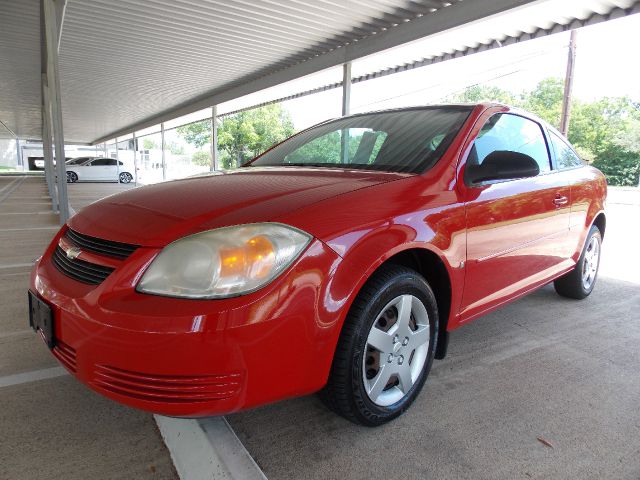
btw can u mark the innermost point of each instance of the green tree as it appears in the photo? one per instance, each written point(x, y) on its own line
point(546, 100)
point(619, 166)
point(202, 158)
point(485, 93)
point(247, 134)
point(596, 125)
point(175, 148)
point(148, 144)
point(197, 134)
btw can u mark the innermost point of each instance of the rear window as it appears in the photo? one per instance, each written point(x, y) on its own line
point(401, 141)
point(565, 156)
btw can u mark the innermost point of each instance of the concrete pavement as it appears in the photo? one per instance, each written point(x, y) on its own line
point(56, 428)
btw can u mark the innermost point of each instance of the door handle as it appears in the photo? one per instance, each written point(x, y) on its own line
point(560, 200)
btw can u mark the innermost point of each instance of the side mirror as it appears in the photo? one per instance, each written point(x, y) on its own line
point(502, 165)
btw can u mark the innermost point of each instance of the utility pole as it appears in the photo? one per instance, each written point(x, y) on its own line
point(568, 84)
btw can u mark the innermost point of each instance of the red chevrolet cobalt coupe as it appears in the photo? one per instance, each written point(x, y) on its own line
point(338, 261)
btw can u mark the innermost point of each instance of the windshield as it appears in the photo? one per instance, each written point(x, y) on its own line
point(398, 141)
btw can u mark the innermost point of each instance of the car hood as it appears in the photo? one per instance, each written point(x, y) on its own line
point(158, 214)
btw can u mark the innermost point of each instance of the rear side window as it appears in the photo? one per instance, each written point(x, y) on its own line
point(101, 162)
point(511, 133)
point(565, 156)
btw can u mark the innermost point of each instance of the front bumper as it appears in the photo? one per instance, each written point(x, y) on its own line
point(194, 358)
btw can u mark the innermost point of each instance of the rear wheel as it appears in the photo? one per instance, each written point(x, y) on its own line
point(72, 177)
point(125, 177)
point(579, 282)
point(386, 348)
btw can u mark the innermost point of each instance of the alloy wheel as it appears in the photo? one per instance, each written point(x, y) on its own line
point(591, 262)
point(396, 350)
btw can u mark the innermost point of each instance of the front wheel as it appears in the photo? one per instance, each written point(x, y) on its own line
point(579, 282)
point(72, 177)
point(125, 177)
point(386, 348)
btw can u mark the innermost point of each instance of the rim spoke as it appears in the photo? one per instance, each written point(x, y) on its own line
point(404, 310)
point(404, 376)
point(419, 337)
point(377, 383)
point(380, 340)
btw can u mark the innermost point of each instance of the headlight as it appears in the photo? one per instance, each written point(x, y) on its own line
point(225, 262)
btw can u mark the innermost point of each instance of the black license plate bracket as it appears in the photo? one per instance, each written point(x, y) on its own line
point(41, 319)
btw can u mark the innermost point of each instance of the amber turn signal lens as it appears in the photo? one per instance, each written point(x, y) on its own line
point(255, 259)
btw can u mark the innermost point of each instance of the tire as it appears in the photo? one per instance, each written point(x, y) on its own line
point(356, 388)
point(579, 282)
point(125, 177)
point(72, 177)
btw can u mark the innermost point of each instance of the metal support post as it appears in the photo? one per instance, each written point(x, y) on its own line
point(346, 88)
point(52, 17)
point(215, 162)
point(117, 162)
point(48, 151)
point(135, 160)
point(346, 104)
point(19, 154)
point(164, 164)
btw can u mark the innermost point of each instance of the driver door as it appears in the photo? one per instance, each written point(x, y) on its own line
point(516, 228)
point(98, 169)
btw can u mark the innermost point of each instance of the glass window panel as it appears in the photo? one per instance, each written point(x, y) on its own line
point(398, 141)
point(504, 132)
point(565, 156)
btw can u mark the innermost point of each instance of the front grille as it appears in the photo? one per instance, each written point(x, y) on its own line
point(66, 355)
point(80, 270)
point(98, 245)
point(166, 388)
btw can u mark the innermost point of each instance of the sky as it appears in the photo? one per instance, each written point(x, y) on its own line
point(605, 66)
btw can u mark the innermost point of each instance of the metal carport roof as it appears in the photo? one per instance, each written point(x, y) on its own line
point(127, 64)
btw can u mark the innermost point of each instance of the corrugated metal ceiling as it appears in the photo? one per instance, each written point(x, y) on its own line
point(20, 94)
point(148, 56)
point(124, 62)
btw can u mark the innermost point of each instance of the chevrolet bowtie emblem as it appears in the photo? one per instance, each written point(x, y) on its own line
point(73, 252)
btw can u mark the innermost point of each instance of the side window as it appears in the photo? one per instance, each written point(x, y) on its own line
point(100, 162)
point(511, 133)
point(565, 156)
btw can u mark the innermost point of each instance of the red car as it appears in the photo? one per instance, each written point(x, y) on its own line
point(338, 261)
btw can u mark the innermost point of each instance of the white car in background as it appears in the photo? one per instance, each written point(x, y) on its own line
point(98, 169)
